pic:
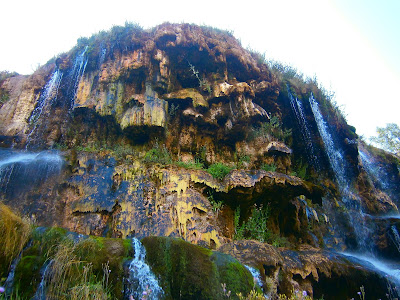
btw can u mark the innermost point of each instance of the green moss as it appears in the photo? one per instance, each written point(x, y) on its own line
point(158, 155)
point(269, 167)
point(27, 275)
point(97, 252)
point(232, 273)
point(219, 170)
point(191, 165)
point(188, 271)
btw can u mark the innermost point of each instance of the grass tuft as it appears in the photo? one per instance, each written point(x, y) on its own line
point(15, 233)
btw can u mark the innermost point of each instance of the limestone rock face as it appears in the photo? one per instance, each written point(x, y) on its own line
point(170, 132)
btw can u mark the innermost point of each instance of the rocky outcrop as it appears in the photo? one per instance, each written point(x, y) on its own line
point(319, 273)
point(179, 132)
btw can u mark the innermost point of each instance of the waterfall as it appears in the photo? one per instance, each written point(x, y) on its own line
point(76, 75)
point(374, 171)
point(41, 290)
point(298, 110)
point(256, 275)
point(8, 284)
point(102, 56)
point(339, 166)
point(142, 281)
point(395, 237)
point(46, 99)
point(20, 171)
point(389, 270)
point(335, 155)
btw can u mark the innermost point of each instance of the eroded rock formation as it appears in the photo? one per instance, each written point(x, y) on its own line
point(179, 132)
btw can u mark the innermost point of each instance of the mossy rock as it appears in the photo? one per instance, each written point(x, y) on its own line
point(96, 251)
point(28, 271)
point(189, 271)
point(27, 275)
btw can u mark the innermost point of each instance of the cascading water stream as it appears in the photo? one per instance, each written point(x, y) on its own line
point(10, 278)
point(298, 110)
point(46, 99)
point(335, 156)
point(20, 170)
point(41, 290)
point(256, 275)
point(365, 255)
point(76, 74)
point(141, 280)
point(339, 166)
point(374, 172)
point(395, 237)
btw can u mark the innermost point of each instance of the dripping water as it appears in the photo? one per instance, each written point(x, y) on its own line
point(141, 280)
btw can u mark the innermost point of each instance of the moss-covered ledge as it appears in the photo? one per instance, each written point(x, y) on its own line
point(188, 271)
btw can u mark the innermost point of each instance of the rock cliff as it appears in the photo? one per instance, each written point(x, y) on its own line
point(180, 132)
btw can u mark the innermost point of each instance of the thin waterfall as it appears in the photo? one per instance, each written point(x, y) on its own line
point(335, 155)
point(102, 56)
point(256, 275)
point(142, 281)
point(76, 75)
point(41, 290)
point(375, 173)
point(10, 278)
point(339, 166)
point(298, 110)
point(46, 99)
point(395, 237)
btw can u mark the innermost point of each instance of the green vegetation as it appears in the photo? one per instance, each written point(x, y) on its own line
point(189, 271)
point(75, 269)
point(190, 165)
point(388, 137)
point(255, 228)
point(253, 295)
point(219, 170)
point(203, 82)
point(4, 96)
point(241, 159)
point(159, 155)
point(217, 205)
point(7, 74)
point(71, 273)
point(15, 233)
point(269, 167)
point(300, 170)
point(296, 295)
point(272, 130)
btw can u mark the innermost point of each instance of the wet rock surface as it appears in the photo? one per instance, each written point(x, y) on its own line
point(179, 132)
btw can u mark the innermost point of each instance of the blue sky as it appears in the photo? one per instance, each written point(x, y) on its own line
point(351, 46)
